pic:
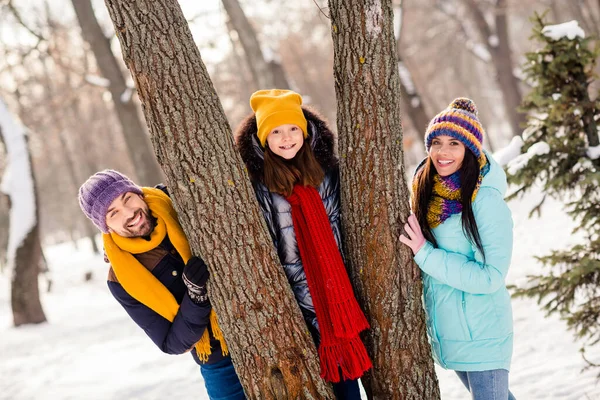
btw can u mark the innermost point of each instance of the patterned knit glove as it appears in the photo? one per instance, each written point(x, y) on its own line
point(195, 276)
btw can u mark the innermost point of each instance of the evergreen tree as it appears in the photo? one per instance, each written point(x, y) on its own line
point(562, 155)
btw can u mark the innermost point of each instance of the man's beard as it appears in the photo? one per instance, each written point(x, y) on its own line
point(145, 229)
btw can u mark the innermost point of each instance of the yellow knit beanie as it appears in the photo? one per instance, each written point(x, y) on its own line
point(277, 107)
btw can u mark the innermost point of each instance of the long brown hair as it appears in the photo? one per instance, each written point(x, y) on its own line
point(280, 175)
point(469, 174)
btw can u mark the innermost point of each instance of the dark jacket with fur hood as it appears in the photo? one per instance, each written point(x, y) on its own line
point(277, 211)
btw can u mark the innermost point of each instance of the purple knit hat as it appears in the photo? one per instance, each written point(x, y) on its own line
point(96, 194)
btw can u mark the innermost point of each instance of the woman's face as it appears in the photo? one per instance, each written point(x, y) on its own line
point(447, 154)
point(286, 140)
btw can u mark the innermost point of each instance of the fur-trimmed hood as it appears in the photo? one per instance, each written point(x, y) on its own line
point(320, 137)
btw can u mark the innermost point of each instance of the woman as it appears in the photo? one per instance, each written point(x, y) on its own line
point(461, 236)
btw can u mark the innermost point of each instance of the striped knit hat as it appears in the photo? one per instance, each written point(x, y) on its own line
point(459, 121)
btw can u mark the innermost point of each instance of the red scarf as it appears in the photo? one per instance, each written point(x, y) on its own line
point(338, 314)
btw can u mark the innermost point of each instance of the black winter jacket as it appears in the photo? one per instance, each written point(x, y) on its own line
point(192, 319)
point(277, 210)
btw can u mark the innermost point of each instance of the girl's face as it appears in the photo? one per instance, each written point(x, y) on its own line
point(447, 154)
point(286, 140)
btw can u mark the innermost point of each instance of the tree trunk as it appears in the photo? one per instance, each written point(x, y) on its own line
point(502, 60)
point(265, 76)
point(24, 253)
point(375, 200)
point(272, 351)
point(147, 170)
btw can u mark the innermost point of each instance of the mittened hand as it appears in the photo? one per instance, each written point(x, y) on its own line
point(195, 276)
point(414, 238)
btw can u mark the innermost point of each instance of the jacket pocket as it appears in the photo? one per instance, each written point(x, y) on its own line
point(464, 319)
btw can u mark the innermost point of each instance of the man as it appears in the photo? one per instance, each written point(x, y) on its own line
point(154, 276)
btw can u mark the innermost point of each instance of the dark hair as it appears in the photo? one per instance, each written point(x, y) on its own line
point(469, 175)
point(280, 175)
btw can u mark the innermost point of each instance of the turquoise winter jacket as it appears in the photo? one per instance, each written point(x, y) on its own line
point(469, 316)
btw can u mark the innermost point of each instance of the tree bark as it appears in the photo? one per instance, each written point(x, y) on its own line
point(271, 349)
point(266, 75)
point(375, 200)
point(138, 145)
point(502, 60)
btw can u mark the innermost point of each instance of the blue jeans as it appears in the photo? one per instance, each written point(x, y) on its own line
point(487, 385)
point(346, 390)
point(221, 381)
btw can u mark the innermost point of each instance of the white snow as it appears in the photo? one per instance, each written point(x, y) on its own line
point(570, 30)
point(593, 152)
point(556, 96)
point(479, 50)
point(494, 41)
point(97, 81)
point(510, 152)
point(126, 95)
point(406, 78)
point(90, 349)
point(17, 182)
point(537, 149)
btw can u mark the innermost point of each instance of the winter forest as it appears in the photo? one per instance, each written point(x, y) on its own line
point(156, 89)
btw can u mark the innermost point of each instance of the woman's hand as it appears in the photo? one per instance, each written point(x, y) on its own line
point(415, 239)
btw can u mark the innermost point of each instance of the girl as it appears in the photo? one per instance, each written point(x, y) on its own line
point(288, 151)
point(461, 236)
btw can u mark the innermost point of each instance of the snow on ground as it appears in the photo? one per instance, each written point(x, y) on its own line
point(90, 350)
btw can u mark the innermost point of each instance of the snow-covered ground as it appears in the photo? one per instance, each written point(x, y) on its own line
point(90, 350)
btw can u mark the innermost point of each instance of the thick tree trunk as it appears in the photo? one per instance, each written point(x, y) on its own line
point(266, 75)
point(271, 348)
point(375, 200)
point(502, 60)
point(147, 170)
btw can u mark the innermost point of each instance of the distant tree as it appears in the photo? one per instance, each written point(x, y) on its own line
point(562, 154)
point(140, 151)
point(24, 249)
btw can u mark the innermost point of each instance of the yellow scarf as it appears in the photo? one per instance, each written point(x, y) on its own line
point(140, 283)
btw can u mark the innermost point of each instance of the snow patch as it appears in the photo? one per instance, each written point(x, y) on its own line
point(479, 50)
point(556, 96)
point(126, 95)
point(510, 152)
point(569, 30)
point(17, 182)
point(493, 41)
point(537, 149)
point(415, 101)
point(97, 81)
point(593, 152)
point(406, 78)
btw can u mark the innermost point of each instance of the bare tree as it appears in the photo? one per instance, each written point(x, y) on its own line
point(147, 169)
point(266, 74)
point(498, 45)
point(272, 350)
point(375, 200)
point(24, 248)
